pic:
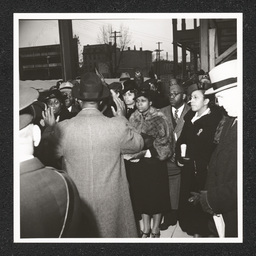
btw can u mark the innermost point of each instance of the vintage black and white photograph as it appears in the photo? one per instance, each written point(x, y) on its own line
point(128, 128)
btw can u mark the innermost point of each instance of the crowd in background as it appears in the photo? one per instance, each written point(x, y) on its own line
point(130, 153)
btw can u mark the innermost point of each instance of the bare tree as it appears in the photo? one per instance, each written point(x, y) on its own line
point(106, 35)
point(123, 39)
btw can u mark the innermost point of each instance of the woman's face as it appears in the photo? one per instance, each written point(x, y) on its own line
point(197, 101)
point(143, 104)
point(55, 104)
point(129, 98)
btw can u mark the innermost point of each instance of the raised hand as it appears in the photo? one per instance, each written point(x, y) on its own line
point(49, 117)
point(119, 105)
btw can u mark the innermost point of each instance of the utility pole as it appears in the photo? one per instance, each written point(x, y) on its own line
point(66, 37)
point(115, 36)
point(158, 56)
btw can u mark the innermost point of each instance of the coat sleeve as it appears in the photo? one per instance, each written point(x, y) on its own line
point(58, 139)
point(222, 190)
point(131, 141)
point(162, 143)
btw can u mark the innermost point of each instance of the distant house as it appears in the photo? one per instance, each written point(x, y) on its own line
point(98, 56)
point(103, 57)
point(163, 67)
point(132, 59)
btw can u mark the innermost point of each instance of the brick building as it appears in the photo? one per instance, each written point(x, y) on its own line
point(132, 59)
point(103, 57)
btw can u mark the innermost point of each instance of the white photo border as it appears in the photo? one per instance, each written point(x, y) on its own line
point(122, 16)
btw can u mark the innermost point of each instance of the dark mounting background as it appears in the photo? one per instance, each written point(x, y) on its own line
point(248, 8)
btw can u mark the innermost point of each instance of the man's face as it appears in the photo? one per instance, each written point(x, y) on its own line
point(67, 95)
point(228, 99)
point(176, 96)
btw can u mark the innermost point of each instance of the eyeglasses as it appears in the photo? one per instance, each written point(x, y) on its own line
point(174, 94)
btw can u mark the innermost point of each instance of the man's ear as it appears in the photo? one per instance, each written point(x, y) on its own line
point(184, 96)
point(206, 101)
point(150, 103)
point(36, 135)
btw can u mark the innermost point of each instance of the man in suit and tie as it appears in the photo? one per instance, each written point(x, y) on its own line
point(174, 113)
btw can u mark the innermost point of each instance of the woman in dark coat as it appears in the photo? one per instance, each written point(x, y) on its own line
point(148, 169)
point(198, 135)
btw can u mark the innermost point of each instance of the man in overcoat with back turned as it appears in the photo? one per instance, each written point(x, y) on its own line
point(91, 146)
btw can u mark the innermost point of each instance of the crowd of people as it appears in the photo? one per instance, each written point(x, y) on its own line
point(124, 160)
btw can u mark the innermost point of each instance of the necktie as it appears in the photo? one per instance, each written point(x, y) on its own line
point(176, 115)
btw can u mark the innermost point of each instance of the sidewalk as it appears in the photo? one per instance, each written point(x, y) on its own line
point(172, 232)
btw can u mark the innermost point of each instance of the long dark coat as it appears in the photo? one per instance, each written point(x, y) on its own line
point(222, 178)
point(199, 138)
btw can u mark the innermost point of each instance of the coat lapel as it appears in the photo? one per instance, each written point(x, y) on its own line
point(180, 122)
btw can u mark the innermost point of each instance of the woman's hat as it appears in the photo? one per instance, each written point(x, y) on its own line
point(129, 85)
point(198, 86)
point(90, 88)
point(145, 93)
point(115, 86)
point(27, 97)
point(54, 93)
point(223, 76)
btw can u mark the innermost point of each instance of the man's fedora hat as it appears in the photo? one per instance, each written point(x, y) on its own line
point(66, 85)
point(90, 88)
point(223, 76)
point(124, 76)
point(27, 97)
point(115, 86)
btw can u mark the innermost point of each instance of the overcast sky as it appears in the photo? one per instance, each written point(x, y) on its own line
point(145, 29)
point(145, 33)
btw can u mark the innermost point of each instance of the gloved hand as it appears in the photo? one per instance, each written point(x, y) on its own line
point(204, 203)
point(195, 198)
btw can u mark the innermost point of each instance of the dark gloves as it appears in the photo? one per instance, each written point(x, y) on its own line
point(195, 199)
point(148, 141)
point(202, 198)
